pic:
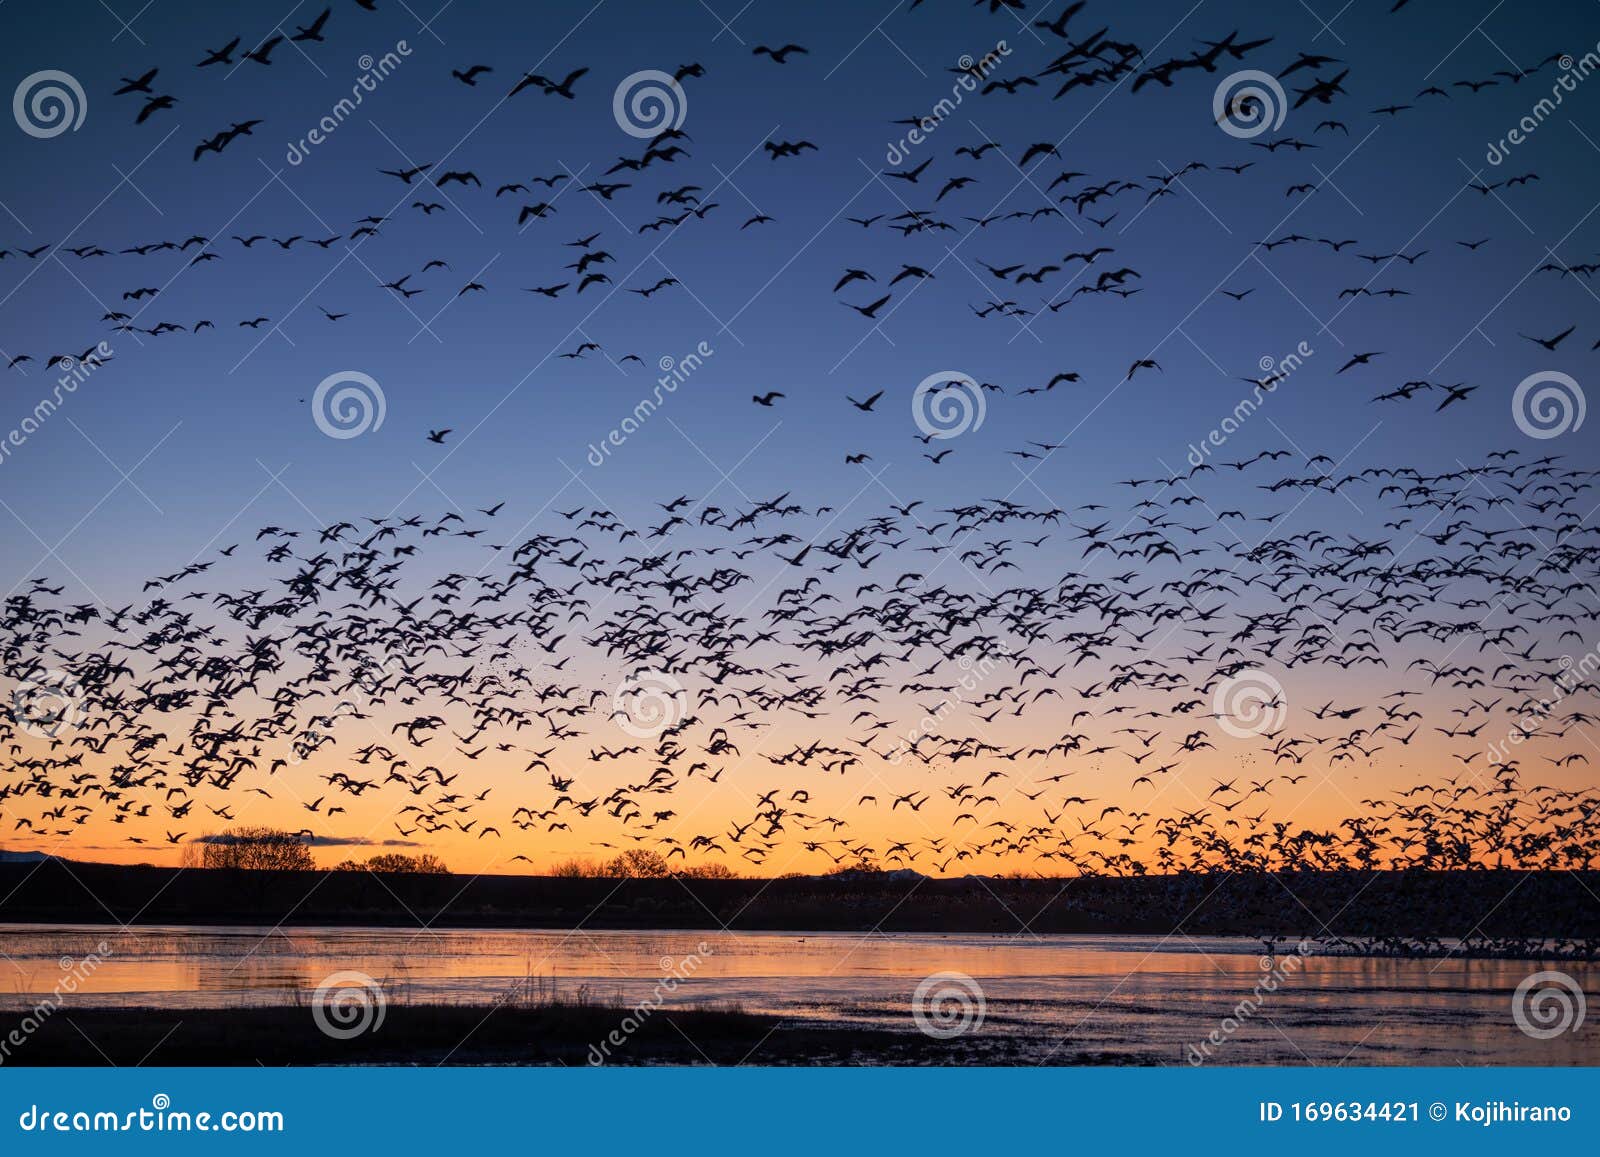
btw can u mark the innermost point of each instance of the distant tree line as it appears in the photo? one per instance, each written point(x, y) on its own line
point(427, 864)
point(639, 864)
point(261, 849)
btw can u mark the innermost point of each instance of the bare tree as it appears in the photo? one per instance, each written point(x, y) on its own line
point(256, 849)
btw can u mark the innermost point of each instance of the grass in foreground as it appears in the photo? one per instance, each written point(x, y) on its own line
point(552, 1033)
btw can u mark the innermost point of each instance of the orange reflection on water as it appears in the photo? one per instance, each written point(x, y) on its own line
point(1079, 997)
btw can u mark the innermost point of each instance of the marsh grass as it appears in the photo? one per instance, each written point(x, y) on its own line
point(548, 1027)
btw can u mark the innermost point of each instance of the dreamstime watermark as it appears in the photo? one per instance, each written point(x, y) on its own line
point(348, 1004)
point(74, 373)
point(674, 372)
point(646, 703)
point(348, 404)
point(677, 971)
point(519, 654)
point(1575, 675)
point(1548, 404)
point(947, 1005)
point(1548, 1004)
point(973, 74)
point(948, 404)
point(1248, 103)
point(649, 103)
point(369, 678)
point(1251, 703)
point(1276, 970)
point(1277, 371)
point(373, 73)
point(73, 973)
point(160, 1117)
point(973, 673)
point(47, 704)
point(49, 103)
point(318, 730)
point(1573, 72)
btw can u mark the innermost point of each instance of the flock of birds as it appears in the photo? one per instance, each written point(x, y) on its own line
point(882, 692)
point(600, 678)
point(1085, 59)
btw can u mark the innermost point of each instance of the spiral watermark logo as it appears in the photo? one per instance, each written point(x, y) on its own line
point(649, 103)
point(47, 704)
point(1547, 1004)
point(947, 405)
point(348, 404)
point(347, 1004)
point(1548, 404)
point(1248, 103)
point(947, 1005)
point(49, 103)
point(646, 703)
point(1249, 704)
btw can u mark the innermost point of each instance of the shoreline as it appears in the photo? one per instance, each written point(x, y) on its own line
point(1385, 912)
point(561, 1034)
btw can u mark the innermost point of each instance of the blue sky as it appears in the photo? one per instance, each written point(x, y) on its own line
point(221, 413)
point(186, 443)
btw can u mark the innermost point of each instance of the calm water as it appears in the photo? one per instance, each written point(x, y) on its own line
point(1070, 997)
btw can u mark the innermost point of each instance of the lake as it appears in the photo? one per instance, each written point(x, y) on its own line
point(1122, 998)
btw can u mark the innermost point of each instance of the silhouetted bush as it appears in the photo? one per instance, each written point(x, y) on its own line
point(255, 849)
point(426, 864)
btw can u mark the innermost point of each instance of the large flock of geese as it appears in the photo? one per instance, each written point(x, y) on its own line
point(988, 685)
point(609, 673)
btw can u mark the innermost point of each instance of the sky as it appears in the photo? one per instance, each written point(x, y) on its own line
point(184, 443)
